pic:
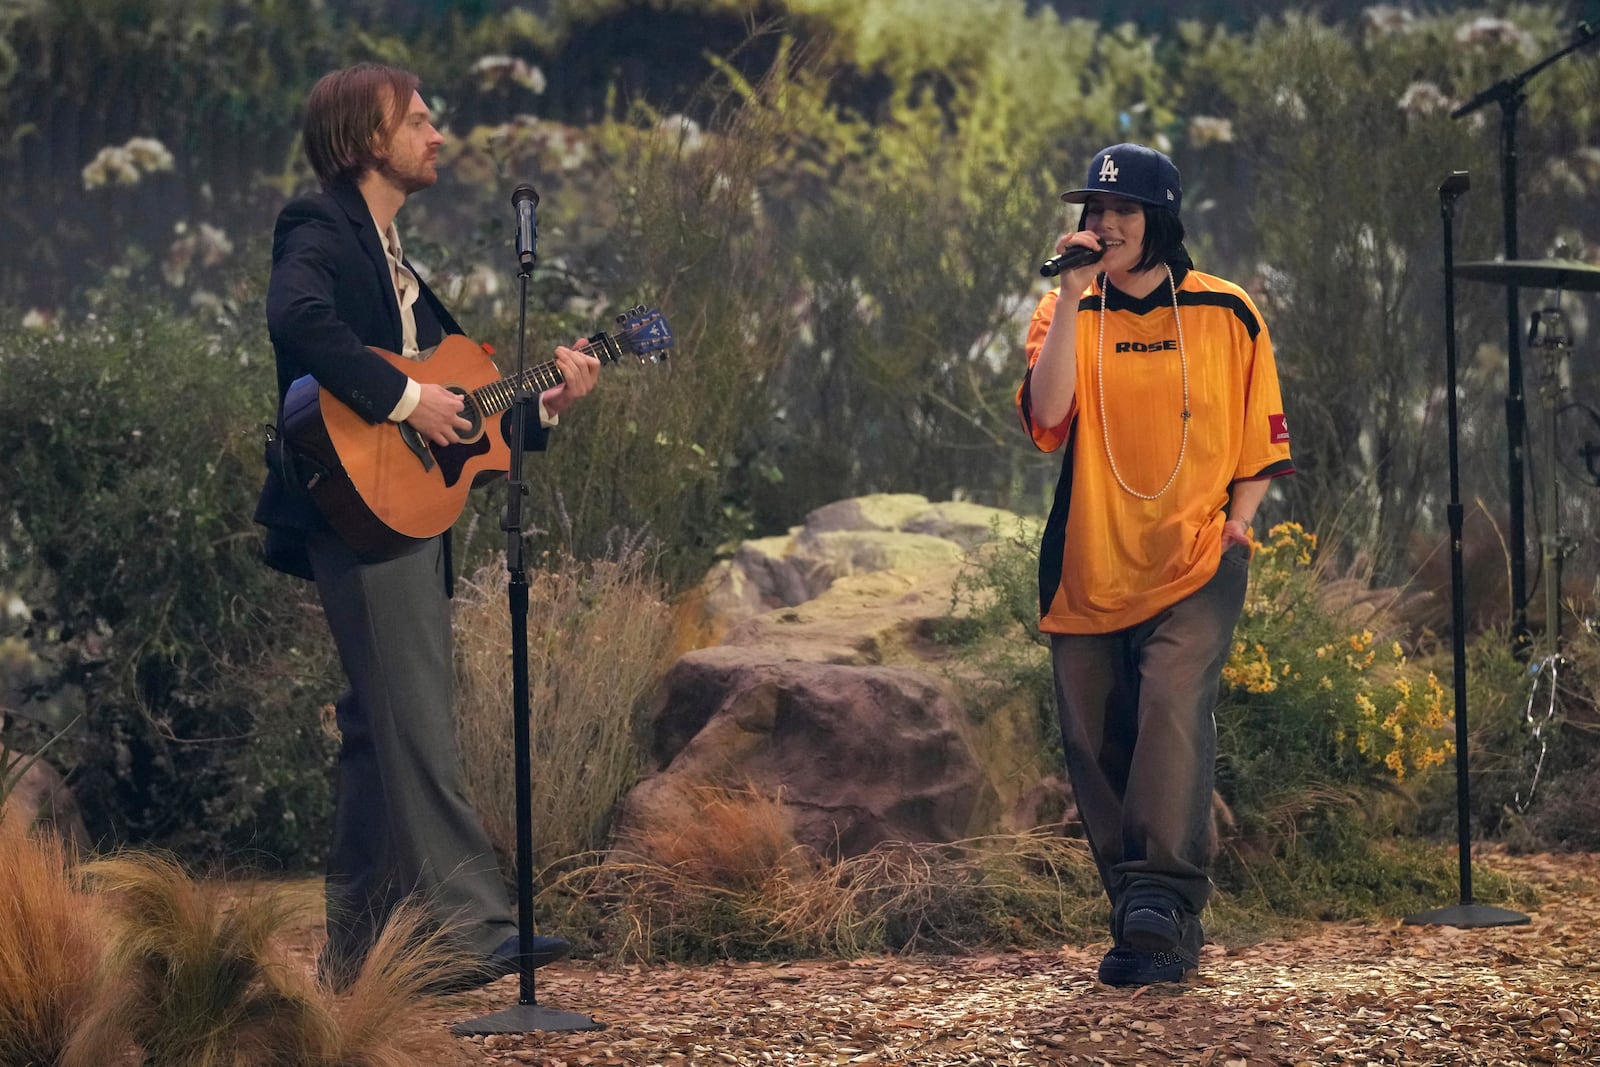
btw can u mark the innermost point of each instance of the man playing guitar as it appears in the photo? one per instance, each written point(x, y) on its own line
point(341, 286)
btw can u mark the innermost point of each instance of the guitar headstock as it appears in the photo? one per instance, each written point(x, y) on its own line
point(641, 332)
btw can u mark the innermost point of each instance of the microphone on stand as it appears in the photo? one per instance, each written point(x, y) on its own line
point(1073, 258)
point(525, 200)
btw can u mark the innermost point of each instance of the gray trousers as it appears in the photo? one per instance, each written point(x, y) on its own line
point(402, 825)
point(1140, 740)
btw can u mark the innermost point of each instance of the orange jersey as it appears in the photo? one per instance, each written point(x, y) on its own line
point(1109, 559)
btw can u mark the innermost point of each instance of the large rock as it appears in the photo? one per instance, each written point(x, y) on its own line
point(859, 755)
point(828, 693)
point(41, 799)
point(899, 532)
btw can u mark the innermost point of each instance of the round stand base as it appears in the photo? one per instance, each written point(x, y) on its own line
point(525, 1019)
point(1467, 917)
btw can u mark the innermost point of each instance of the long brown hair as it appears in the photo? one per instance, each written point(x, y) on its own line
point(349, 113)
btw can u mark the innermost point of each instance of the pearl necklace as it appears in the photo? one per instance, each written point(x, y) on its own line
point(1100, 382)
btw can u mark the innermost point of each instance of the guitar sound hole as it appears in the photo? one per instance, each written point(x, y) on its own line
point(470, 412)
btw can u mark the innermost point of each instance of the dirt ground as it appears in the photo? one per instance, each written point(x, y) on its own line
point(1343, 994)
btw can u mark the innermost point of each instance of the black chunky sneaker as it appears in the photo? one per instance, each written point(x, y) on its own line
point(1152, 923)
point(1124, 966)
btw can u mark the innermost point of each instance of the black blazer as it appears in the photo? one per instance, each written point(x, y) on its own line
point(330, 296)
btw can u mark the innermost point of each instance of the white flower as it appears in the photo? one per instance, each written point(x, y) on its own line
point(175, 264)
point(1380, 20)
point(111, 165)
point(205, 300)
point(1290, 103)
point(572, 148)
point(528, 76)
point(1424, 98)
point(36, 320)
point(685, 129)
point(16, 608)
point(491, 70)
point(214, 245)
point(1208, 129)
point(124, 164)
point(1487, 32)
point(149, 154)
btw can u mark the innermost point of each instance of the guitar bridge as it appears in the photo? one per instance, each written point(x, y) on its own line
point(417, 445)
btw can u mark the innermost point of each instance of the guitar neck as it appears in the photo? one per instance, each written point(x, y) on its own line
point(498, 396)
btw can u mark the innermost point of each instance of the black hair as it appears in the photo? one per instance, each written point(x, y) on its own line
point(1163, 239)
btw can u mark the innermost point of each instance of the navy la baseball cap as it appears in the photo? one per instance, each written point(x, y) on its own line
point(1132, 171)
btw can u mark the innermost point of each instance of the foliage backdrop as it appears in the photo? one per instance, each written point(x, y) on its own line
point(838, 206)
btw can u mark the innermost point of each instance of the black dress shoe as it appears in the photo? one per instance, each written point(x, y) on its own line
point(499, 963)
point(543, 950)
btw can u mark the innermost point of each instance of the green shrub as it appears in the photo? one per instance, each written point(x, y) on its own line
point(1323, 729)
point(1533, 739)
point(994, 625)
point(1313, 699)
point(1333, 868)
point(134, 444)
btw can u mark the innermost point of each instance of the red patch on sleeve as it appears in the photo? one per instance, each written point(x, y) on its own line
point(1279, 426)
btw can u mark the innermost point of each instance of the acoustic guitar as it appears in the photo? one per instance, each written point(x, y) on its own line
point(383, 487)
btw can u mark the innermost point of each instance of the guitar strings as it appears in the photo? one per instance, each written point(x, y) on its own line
point(497, 396)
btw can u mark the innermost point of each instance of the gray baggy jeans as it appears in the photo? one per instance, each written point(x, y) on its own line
point(1140, 740)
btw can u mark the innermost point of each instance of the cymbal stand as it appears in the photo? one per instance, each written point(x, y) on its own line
point(1511, 93)
point(1550, 334)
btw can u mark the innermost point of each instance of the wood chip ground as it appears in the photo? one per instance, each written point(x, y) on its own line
point(1382, 994)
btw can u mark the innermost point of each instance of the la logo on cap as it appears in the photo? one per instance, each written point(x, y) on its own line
point(1108, 169)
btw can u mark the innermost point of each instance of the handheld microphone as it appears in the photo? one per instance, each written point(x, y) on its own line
point(525, 200)
point(1073, 258)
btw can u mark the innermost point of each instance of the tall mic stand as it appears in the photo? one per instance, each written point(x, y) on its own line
point(1511, 93)
point(528, 1015)
point(1466, 914)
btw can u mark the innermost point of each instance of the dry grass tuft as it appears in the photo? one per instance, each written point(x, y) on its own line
point(193, 978)
point(49, 948)
point(409, 954)
point(1033, 888)
point(196, 976)
point(739, 839)
point(597, 642)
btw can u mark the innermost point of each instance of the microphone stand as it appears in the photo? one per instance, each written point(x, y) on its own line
point(1466, 914)
point(1511, 93)
point(528, 1015)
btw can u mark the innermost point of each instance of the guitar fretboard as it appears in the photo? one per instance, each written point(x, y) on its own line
point(498, 396)
point(643, 332)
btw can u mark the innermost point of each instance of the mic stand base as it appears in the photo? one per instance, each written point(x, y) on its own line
point(1467, 917)
point(528, 1018)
